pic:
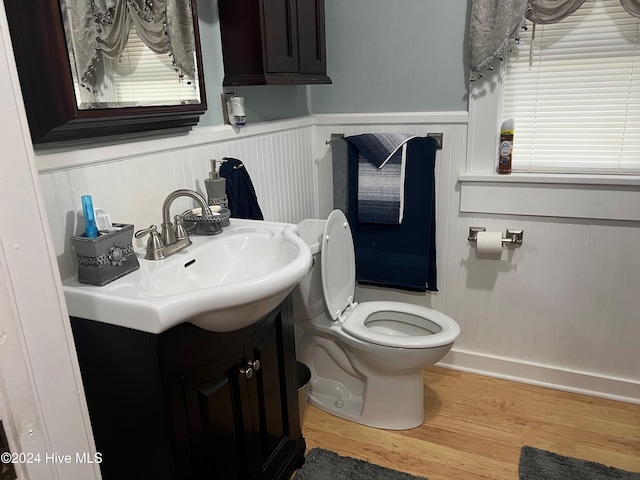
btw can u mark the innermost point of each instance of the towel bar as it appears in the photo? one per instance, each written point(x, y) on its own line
point(438, 137)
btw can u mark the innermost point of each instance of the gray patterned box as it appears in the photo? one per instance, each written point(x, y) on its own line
point(107, 257)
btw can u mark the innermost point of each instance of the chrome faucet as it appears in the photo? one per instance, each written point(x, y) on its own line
point(172, 238)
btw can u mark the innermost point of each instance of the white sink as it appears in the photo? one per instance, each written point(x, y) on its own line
point(220, 283)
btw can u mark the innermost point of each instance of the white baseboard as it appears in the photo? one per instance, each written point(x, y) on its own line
point(620, 389)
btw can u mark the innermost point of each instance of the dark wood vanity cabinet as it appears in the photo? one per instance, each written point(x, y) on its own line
point(273, 42)
point(193, 404)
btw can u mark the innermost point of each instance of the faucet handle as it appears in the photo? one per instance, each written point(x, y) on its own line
point(154, 244)
point(144, 231)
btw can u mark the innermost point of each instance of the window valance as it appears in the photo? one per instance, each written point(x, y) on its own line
point(101, 27)
point(495, 22)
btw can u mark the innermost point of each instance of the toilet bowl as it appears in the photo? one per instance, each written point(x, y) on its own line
point(366, 359)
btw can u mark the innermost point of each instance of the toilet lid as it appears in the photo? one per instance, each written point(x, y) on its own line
point(338, 264)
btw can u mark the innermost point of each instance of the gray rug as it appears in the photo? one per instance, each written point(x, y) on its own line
point(322, 464)
point(542, 465)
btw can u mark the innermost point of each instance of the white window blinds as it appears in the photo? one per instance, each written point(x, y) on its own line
point(577, 105)
point(142, 77)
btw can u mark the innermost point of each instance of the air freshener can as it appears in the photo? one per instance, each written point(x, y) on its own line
point(505, 150)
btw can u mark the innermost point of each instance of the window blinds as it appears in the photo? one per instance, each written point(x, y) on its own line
point(577, 105)
point(141, 76)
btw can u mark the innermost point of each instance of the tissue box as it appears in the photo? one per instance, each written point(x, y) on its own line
point(107, 257)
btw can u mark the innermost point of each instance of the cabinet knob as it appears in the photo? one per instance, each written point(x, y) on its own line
point(255, 365)
point(250, 368)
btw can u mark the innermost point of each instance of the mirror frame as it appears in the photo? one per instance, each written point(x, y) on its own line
point(41, 56)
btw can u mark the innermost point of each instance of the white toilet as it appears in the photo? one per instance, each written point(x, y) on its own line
point(366, 359)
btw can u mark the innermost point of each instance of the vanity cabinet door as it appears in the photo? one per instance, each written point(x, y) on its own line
point(219, 420)
point(239, 408)
point(272, 398)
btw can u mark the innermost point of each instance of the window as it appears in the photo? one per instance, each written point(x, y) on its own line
point(576, 105)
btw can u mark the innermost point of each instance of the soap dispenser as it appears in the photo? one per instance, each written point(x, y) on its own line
point(216, 186)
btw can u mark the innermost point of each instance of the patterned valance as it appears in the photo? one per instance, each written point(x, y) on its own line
point(495, 22)
point(102, 27)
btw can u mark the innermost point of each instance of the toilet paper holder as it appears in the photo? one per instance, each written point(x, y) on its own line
point(513, 236)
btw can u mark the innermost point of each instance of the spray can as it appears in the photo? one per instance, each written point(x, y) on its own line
point(505, 150)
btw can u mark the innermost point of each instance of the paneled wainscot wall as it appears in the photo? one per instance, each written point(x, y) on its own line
point(561, 310)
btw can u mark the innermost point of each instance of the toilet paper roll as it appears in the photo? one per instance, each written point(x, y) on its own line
point(489, 242)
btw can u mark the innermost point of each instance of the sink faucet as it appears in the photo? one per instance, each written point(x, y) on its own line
point(173, 237)
point(168, 234)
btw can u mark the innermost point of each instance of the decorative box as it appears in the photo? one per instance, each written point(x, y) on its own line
point(107, 257)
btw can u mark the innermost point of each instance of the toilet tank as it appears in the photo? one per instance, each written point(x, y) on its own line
point(308, 300)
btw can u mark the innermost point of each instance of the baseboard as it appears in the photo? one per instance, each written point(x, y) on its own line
point(613, 388)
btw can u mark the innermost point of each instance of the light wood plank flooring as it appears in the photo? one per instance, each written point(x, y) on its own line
point(475, 427)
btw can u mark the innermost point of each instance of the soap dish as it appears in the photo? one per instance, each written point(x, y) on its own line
point(221, 201)
point(207, 225)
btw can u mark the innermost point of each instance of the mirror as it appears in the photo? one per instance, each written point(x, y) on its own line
point(95, 68)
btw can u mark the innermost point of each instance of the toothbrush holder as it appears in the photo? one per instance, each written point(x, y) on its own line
point(107, 257)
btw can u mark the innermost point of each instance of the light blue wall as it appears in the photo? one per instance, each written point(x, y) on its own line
point(394, 56)
point(382, 56)
point(211, 47)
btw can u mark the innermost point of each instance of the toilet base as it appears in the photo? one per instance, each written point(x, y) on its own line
point(335, 396)
point(393, 402)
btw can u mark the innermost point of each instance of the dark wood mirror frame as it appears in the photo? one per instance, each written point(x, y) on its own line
point(46, 81)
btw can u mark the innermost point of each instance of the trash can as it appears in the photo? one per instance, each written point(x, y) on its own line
point(304, 377)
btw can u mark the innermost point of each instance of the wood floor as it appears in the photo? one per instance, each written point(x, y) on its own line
point(475, 427)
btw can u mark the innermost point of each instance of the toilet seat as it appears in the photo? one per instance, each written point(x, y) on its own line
point(401, 325)
point(392, 324)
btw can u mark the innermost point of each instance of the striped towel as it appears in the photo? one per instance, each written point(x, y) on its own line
point(381, 166)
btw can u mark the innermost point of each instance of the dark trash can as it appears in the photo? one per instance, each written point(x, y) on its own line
point(304, 377)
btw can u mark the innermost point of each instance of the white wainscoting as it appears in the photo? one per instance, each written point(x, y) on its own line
point(561, 310)
point(132, 187)
point(605, 197)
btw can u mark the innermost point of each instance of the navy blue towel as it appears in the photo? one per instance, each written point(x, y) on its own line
point(241, 195)
point(400, 256)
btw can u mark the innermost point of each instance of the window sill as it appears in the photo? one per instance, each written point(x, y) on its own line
point(604, 197)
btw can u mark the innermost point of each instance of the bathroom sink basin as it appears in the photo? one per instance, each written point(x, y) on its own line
point(220, 283)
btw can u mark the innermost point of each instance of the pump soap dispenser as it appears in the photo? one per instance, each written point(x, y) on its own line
point(215, 185)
